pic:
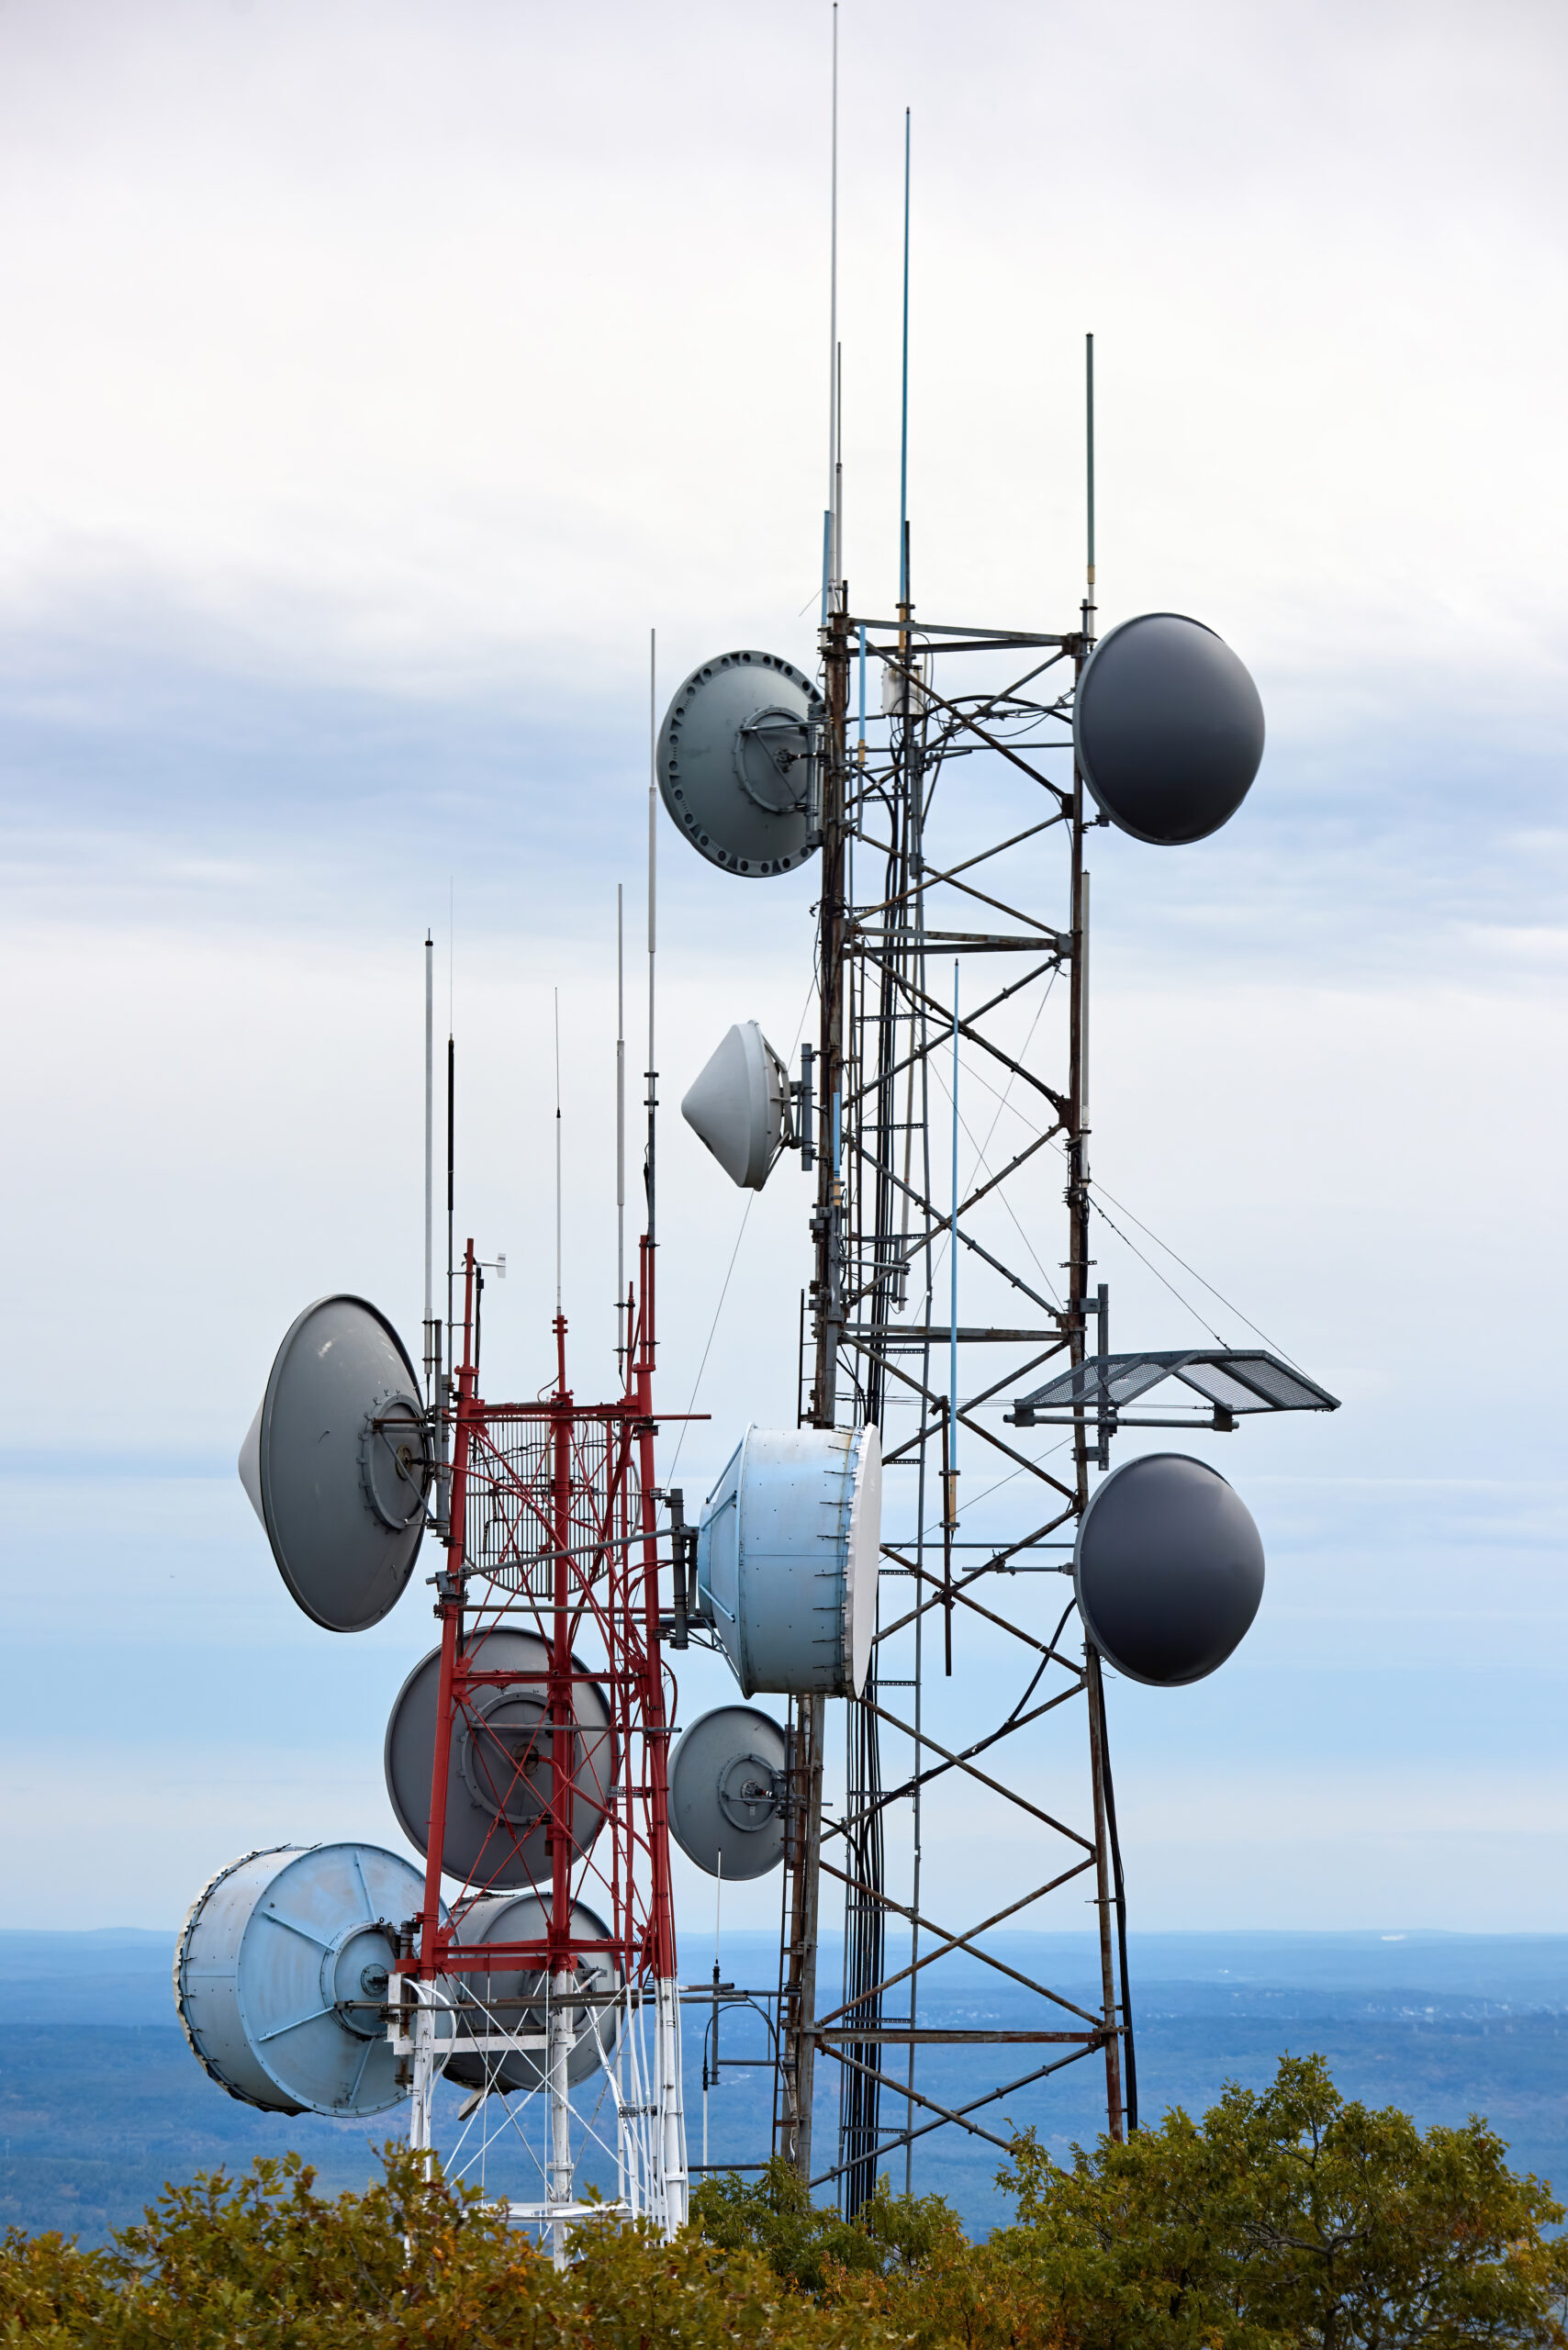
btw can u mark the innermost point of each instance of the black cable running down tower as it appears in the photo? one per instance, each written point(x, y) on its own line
point(1129, 2061)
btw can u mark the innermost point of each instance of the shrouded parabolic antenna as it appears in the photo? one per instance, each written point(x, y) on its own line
point(281, 1974)
point(737, 760)
point(337, 1463)
point(1167, 1568)
point(1167, 728)
point(726, 1793)
point(787, 1556)
point(740, 1106)
point(499, 2001)
point(499, 1775)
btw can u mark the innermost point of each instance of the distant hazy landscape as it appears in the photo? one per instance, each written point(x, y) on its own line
point(100, 2101)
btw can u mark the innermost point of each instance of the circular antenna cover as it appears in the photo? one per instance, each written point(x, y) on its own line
point(1167, 1568)
point(502, 2000)
point(1167, 728)
point(281, 1977)
point(337, 1464)
point(737, 756)
point(726, 1793)
point(499, 1776)
point(788, 1550)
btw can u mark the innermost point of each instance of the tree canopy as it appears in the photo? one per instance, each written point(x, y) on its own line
point(1286, 2219)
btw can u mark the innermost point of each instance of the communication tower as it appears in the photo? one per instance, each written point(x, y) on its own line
point(526, 1756)
point(950, 777)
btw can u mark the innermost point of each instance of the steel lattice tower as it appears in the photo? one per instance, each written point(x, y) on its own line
point(935, 827)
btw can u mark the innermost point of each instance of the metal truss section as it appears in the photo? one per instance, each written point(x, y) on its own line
point(549, 1981)
point(952, 1130)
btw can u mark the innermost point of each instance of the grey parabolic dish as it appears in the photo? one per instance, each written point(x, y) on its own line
point(1167, 1568)
point(724, 1779)
point(335, 1464)
point(738, 1106)
point(497, 1786)
point(1169, 729)
point(525, 1917)
point(733, 762)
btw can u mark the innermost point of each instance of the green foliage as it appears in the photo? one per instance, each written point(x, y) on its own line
point(262, 2262)
point(1285, 2220)
point(808, 2243)
point(1290, 2217)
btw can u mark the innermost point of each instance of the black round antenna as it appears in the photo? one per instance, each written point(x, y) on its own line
point(1167, 728)
point(1167, 1568)
point(736, 761)
point(337, 1463)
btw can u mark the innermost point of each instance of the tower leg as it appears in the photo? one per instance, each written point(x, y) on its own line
point(798, 2064)
point(560, 2181)
point(421, 2119)
point(672, 2117)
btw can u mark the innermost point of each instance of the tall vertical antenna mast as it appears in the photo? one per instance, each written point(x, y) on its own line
point(833, 552)
point(1089, 468)
point(557, 998)
point(653, 902)
point(430, 1167)
point(836, 551)
point(450, 1101)
point(619, 1121)
point(904, 399)
point(451, 1141)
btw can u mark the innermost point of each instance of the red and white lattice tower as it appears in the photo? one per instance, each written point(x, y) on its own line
point(549, 1514)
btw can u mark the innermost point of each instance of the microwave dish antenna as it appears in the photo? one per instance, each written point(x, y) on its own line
point(728, 1792)
point(337, 1464)
point(737, 763)
point(788, 1550)
point(739, 1106)
point(501, 1766)
point(1168, 727)
point(281, 1977)
point(518, 1999)
point(1167, 1568)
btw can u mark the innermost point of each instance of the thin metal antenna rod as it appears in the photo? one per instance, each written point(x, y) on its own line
point(557, 996)
point(450, 1099)
point(832, 447)
point(1088, 467)
point(652, 907)
point(429, 1162)
point(450, 1154)
point(904, 407)
point(838, 471)
point(619, 1121)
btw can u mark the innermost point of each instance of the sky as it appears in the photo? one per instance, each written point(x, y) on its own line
point(378, 377)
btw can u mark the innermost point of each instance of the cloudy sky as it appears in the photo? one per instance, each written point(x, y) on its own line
point(377, 377)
